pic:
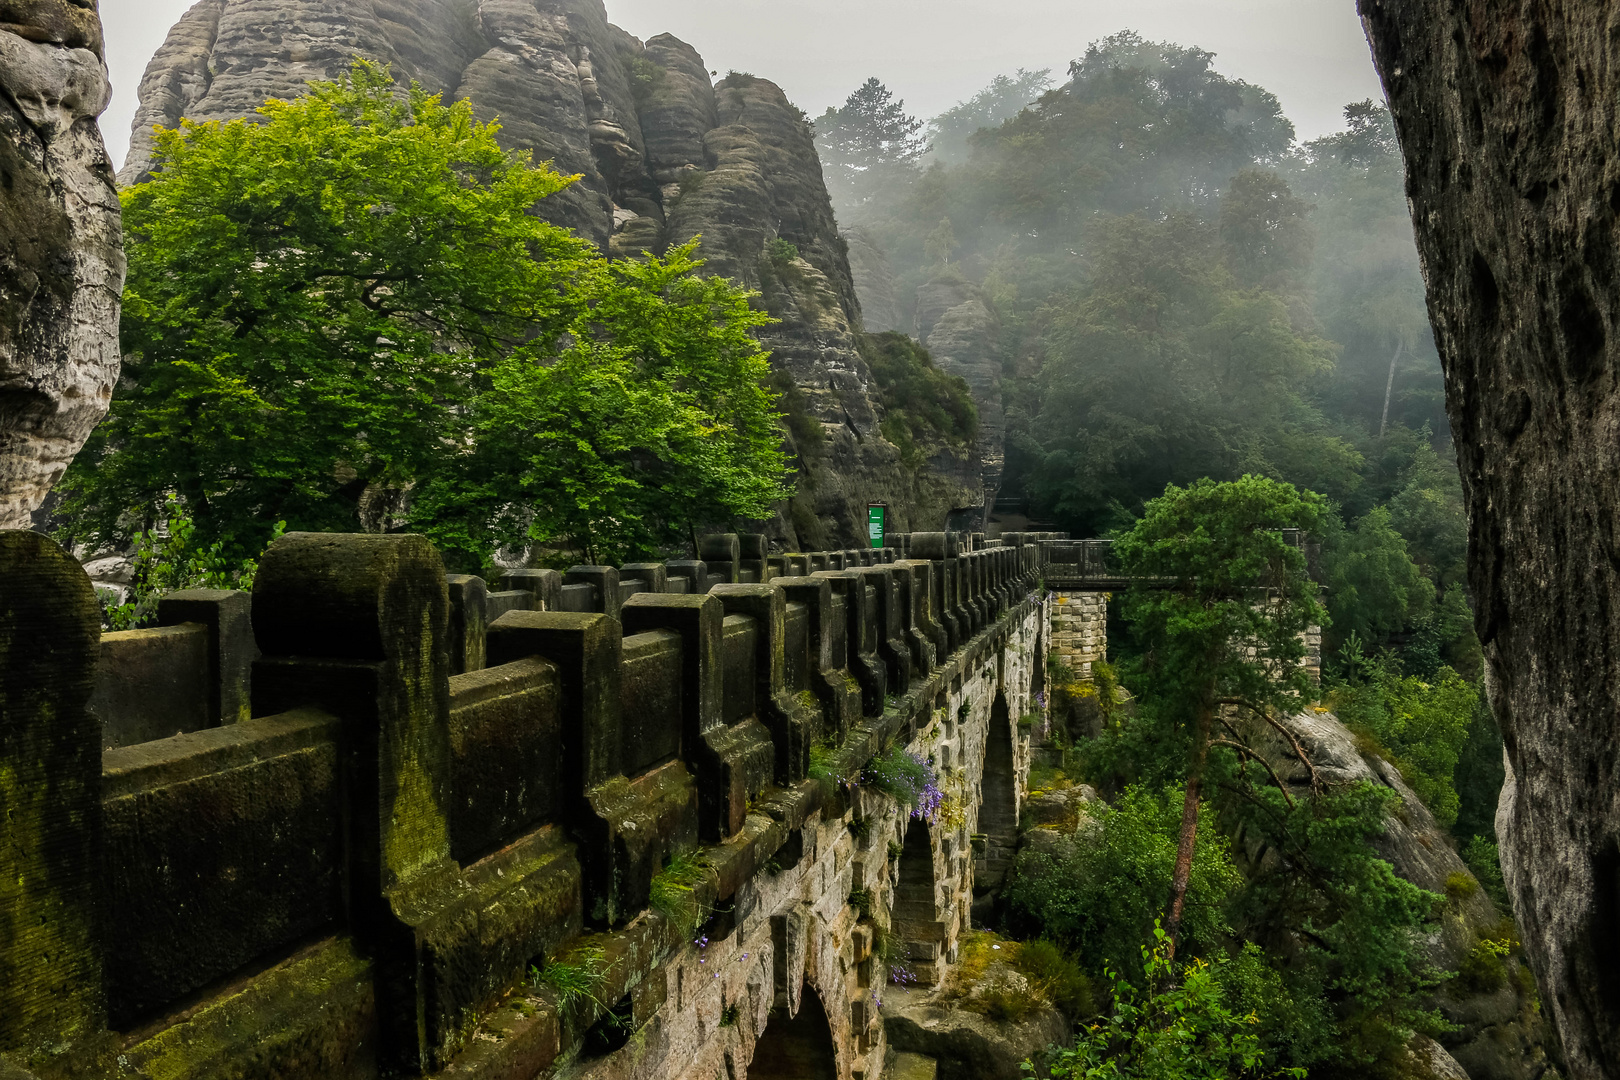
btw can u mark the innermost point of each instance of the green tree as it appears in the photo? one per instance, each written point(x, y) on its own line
point(1102, 895)
point(330, 308)
point(1179, 1025)
point(655, 418)
point(950, 132)
point(1374, 588)
point(869, 145)
point(1161, 369)
point(1224, 629)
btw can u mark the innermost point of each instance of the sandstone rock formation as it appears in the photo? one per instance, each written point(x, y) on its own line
point(1500, 1035)
point(61, 254)
point(1506, 114)
point(957, 324)
point(662, 155)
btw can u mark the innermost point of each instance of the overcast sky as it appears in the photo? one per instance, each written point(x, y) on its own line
point(932, 53)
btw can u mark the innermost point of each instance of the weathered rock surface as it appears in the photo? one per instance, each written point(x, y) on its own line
point(875, 284)
point(1506, 115)
point(61, 254)
point(966, 1044)
point(959, 327)
point(662, 156)
point(1500, 1035)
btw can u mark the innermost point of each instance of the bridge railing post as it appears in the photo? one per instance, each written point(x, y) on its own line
point(860, 640)
point(794, 728)
point(841, 703)
point(51, 996)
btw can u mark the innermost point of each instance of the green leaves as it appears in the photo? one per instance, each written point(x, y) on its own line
point(347, 312)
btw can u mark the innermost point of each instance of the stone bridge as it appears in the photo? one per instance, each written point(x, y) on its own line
point(377, 821)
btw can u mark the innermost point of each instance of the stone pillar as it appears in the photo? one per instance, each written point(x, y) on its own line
point(468, 622)
point(840, 701)
point(731, 763)
point(604, 579)
point(52, 1006)
point(860, 640)
point(228, 615)
point(793, 727)
point(723, 553)
point(357, 625)
point(544, 585)
point(891, 645)
point(626, 828)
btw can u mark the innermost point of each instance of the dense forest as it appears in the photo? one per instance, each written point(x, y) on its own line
point(1186, 292)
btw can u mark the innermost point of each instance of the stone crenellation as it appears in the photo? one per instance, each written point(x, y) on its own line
point(343, 826)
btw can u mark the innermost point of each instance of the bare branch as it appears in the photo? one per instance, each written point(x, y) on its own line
point(1293, 741)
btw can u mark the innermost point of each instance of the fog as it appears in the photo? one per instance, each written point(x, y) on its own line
point(933, 53)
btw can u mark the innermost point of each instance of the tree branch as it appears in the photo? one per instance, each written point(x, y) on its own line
point(1293, 741)
point(1252, 756)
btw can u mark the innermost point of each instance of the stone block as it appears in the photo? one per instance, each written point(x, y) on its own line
point(228, 615)
point(653, 576)
point(221, 845)
point(544, 585)
point(507, 776)
point(731, 764)
point(468, 622)
point(154, 683)
point(793, 727)
point(604, 579)
point(826, 676)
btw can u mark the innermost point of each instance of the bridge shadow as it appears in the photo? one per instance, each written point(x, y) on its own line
point(799, 1047)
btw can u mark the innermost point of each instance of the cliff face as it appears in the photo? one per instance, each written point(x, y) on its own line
point(663, 155)
point(61, 257)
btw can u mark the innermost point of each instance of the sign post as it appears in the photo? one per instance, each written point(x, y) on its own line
point(876, 514)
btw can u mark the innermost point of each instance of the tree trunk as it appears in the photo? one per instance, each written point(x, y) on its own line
point(1389, 386)
point(1187, 843)
point(1507, 115)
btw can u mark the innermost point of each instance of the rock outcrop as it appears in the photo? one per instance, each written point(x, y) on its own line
point(959, 327)
point(1499, 1033)
point(1507, 120)
point(662, 155)
point(61, 253)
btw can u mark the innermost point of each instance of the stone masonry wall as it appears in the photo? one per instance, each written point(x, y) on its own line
point(396, 798)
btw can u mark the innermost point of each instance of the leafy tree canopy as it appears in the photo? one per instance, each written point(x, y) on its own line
point(331, 308)
point(950, 133)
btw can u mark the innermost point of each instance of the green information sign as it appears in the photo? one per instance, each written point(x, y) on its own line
point(874, 524)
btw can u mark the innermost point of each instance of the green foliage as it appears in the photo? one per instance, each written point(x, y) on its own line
point(646, 77)
point(1057, 977)
point(780, 252)
point(861, 901)
point(904, 776)
point(950, 134)
point(824, 767)
point(1482, 970)
point(576, 980)
point(346, 311)
point(674, 891)
point(172, 559)
point(1227, 623)
point(1423, 724)
point(1374, 587)
point(922, 406)
point(652, 418)
point(1178, 1025)
point(1101, 898)
point(1350, 927)
point(869, 143)
point(1484, 859)
point(1460, 886)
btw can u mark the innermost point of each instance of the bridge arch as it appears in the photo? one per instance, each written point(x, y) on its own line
point(998, 794)
point(798, 1047)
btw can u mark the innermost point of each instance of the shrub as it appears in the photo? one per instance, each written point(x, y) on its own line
point(1482, 970)
point(780, 252)
point(922, 405)
point(1055, 974)
point(1100, 899)
point(910, 780)
point(1460, 886)
point(1180, 1025)
point(574, 981)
